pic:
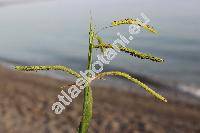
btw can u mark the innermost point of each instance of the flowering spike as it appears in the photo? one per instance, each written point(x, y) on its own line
point(56, 67)
point(132, 52)
point(135, 22)
point(132, 79)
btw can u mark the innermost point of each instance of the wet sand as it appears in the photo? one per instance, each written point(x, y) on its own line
point(26, 101)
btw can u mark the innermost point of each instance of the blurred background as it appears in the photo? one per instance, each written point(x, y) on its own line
point(50, 32)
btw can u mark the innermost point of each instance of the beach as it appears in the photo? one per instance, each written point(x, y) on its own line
point(26, 101)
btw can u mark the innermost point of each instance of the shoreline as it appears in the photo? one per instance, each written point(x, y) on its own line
point(27, 99)
point(176, 91)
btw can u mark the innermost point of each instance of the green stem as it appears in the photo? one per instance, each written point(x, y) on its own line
point(88, 100)
point(87, 110)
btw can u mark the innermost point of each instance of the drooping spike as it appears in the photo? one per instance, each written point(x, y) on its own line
point(56, 67)
point(135, 22)
point(132, 79)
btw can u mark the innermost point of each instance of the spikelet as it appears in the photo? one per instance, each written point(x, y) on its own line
point(132, 52)
point(56, 67)
point(124, 21)
point(132, 79)
point(141, 55)
point(135, 22)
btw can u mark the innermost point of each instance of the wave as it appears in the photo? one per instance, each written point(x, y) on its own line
point(192, 89)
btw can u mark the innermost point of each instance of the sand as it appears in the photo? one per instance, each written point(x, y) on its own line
point(26, 101)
